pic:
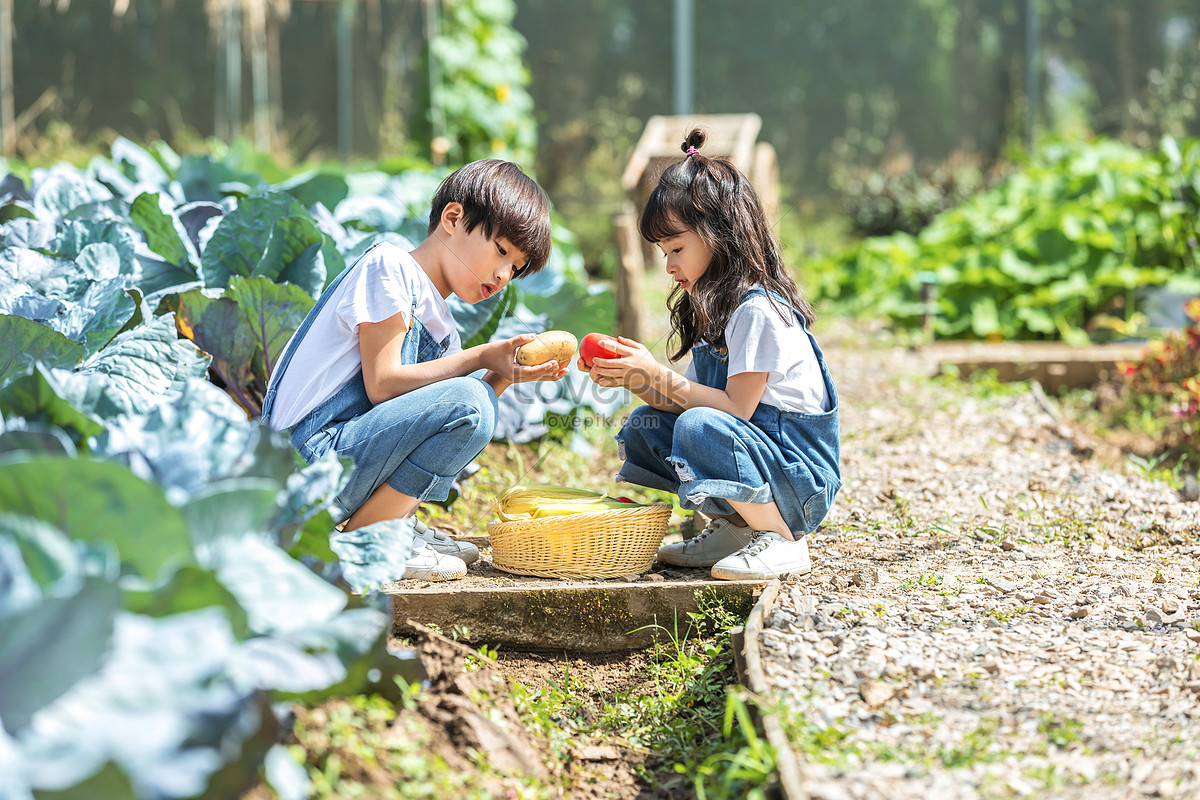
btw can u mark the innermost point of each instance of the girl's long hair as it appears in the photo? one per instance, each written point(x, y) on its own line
point(712, 198)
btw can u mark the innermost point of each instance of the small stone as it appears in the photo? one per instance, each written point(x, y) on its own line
point(1192, 634)
point(1081, 570)
point(826, 647)
point(1017, 555)
point(1169, 605)
point(599, 752)
point(1166, 663)
point(1008, 544)
point(1079, 613)
point(1157, 616)
point(876, 693)
point(629, 577)
point(1159, 578)
point(1001, 583)
point(653, 577)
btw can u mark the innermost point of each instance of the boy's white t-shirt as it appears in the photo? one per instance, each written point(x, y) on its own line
point(380, 285)
point(759, 340)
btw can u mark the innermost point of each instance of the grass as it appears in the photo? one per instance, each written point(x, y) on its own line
point(686, 710)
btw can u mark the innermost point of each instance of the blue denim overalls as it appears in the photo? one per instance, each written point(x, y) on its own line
point(417, 443)
point(709, 456)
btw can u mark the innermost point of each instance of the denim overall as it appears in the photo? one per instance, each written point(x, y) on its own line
point(708, 456)
point(417, 443)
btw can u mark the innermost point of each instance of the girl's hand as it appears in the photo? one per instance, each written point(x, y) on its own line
point(635, 369)
point(501, 358)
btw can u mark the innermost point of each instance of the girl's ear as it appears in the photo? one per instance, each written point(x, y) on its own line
point(451, 218)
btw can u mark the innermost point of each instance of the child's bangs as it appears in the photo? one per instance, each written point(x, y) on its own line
point(524, 221)
point(659, 219)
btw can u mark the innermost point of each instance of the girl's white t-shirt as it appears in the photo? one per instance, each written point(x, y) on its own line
point(759, 340)
point(380, 285)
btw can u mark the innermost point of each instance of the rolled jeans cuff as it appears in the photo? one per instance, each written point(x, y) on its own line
point(711, 496)
point(415, 482)
point(632, 473)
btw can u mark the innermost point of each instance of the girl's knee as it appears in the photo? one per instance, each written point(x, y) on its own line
point(702, 422)
point(644, 422)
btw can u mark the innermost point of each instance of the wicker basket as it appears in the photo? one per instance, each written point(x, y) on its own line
point(600, 544)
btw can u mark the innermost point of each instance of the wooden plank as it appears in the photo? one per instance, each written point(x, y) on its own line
point(577, 617)
point(756, 681)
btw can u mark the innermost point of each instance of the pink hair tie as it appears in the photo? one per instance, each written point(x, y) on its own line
point(691, 151)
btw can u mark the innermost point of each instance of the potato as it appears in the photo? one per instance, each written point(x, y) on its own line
point(549, 346)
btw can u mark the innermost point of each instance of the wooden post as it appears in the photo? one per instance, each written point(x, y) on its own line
point(8, 134)
point(259, 75)
point(345, 79)
point(629, 275)
point(233, 68)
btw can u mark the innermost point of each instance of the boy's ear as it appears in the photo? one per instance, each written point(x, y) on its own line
point(451, 219)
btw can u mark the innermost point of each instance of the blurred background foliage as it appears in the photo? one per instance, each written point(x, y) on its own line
point(884, 115)
point(900, 108)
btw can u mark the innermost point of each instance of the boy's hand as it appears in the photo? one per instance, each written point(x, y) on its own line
point(635, 369)
point(502, 360)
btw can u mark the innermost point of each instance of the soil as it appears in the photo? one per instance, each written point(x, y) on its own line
point(465, 710)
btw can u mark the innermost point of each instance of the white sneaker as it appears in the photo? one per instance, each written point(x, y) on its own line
point(426, 564)
point(768, 556)
point(443, 544)
point(718, 539)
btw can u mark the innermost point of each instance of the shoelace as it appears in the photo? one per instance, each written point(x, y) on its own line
point(759, 544)
point(708, 529)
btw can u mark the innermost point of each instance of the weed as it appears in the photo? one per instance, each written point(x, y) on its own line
point(1060, 732)
point(975, 747)
point(921, 581)
point(1005, 614)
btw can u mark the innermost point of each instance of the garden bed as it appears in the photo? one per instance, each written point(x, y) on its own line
point(1056, 366)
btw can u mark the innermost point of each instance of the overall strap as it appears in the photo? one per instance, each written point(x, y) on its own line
point(286, 358)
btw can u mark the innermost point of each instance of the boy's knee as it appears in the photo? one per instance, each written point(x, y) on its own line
point(477, 402)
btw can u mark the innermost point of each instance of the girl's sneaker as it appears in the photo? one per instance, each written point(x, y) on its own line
point(718, 539)
point(426, 564)
point(443, 544)
point(768, 556)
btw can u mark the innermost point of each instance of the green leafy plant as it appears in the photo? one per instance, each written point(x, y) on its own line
point(481, 95)
point(165, 559)
point(1060, 249)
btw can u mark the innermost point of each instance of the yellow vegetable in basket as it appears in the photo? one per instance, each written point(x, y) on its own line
point(538, 501)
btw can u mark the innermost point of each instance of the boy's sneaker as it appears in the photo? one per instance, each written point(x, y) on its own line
point(426, 564)
point(718, 539)
point(768, 556)
point(443, 544)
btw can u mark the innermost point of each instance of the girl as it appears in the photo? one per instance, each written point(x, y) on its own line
point(749, 433)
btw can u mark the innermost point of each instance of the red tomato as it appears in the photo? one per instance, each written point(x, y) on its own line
point(590, 348)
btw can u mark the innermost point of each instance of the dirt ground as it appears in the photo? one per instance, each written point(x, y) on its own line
point(466, 709)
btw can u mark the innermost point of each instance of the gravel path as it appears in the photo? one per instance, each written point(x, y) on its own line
point(992, 612)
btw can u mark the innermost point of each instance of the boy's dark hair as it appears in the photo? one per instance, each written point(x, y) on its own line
point(505, 201)
point(712, 198)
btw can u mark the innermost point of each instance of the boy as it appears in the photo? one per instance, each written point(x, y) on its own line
point(377, 371)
